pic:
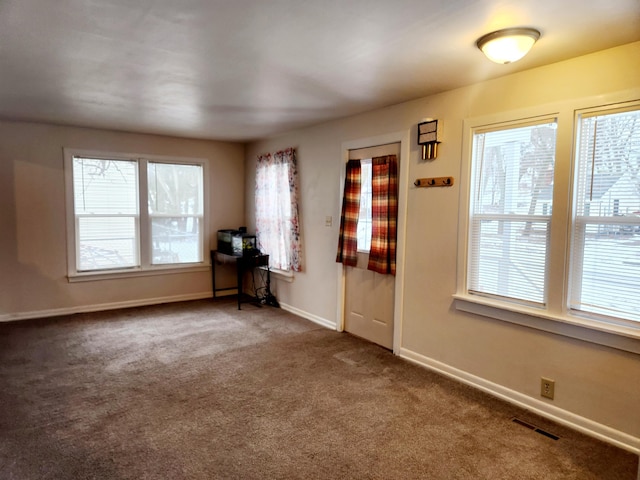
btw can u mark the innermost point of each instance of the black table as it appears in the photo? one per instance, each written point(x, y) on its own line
point(244, 263)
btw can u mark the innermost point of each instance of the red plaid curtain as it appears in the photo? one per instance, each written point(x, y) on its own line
point(348, 241)
point(382, 257)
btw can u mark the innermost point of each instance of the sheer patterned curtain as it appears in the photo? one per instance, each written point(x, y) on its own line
point(277, 223)
point(348, 237)
point(384, 215)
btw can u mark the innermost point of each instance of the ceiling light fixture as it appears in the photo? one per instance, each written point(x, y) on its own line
point(508, 45)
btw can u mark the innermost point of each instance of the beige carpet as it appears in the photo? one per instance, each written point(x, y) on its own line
point(200, 390)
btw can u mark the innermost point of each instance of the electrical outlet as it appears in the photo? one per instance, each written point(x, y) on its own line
point(547, 387)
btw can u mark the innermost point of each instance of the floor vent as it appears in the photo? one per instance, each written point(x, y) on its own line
point(535, 429)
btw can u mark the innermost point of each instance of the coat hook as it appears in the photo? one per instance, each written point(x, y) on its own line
point(434, 182)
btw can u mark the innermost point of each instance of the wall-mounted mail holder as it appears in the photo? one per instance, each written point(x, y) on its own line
point(429, 134)
point(434, 182)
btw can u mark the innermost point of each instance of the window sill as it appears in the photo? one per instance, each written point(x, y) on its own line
point(284, 275)
point(601, 333)
point(133, 273)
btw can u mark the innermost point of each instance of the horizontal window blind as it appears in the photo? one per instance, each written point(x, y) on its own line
point(106, 212)
point(510, 212)
point(605, 267)
point(112, 232)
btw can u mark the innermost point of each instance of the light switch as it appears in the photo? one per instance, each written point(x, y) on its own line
point(328, 221)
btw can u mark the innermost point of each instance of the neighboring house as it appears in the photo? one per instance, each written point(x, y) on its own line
point(615, 195)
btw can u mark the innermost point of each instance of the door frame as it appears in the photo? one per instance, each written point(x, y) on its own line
point(401, 137)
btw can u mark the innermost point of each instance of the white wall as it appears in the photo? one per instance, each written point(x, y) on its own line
point(33, 257)
point(597, 387)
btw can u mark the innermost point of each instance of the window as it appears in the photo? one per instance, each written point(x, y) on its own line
point(110, 232)
point(510, 212)
point(364, 218)
point(277, 224)
point(106, 213)
point(552, 230)
point(605, 267)
point(175, 212)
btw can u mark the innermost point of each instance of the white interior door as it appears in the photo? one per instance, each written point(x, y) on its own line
point(369, 305)
point(369, 296)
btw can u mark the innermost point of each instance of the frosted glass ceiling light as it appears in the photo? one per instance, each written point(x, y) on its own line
point(508, 45)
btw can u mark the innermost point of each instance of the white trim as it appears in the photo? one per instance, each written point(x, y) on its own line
point(575, 252)
point(342, 289)
point(594, 331)
point(401, 137)
point(588, 328)
point(559, 415)
point(308, 316)
point(112, 274)
point(55, 312)
point(283, 275)
point(142, 217)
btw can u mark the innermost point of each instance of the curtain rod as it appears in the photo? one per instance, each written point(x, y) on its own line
point(372, 146)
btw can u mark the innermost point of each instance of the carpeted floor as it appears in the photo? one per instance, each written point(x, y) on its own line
point(200, 390)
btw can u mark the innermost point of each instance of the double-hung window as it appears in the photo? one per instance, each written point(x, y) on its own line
point(605, 266)
point(510, 212)
point(175, 199)
point(130, 214)
point(106, 214)
point(586, 272)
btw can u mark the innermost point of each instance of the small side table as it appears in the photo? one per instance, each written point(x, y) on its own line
point(244, 263)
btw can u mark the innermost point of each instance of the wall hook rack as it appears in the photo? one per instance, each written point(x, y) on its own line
point(434, 182)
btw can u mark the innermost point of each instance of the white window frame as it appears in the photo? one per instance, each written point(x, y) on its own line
point(556, 316)
point(146, 268)
point(577, 246)
point(509, 218)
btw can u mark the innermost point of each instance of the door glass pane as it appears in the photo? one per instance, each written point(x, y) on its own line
point(364, 218)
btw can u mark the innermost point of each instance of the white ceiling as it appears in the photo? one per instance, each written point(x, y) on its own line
point(245, 69)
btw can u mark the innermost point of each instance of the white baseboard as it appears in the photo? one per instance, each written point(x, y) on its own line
point(55, 312)
point(564, 417)
point(309, 316)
